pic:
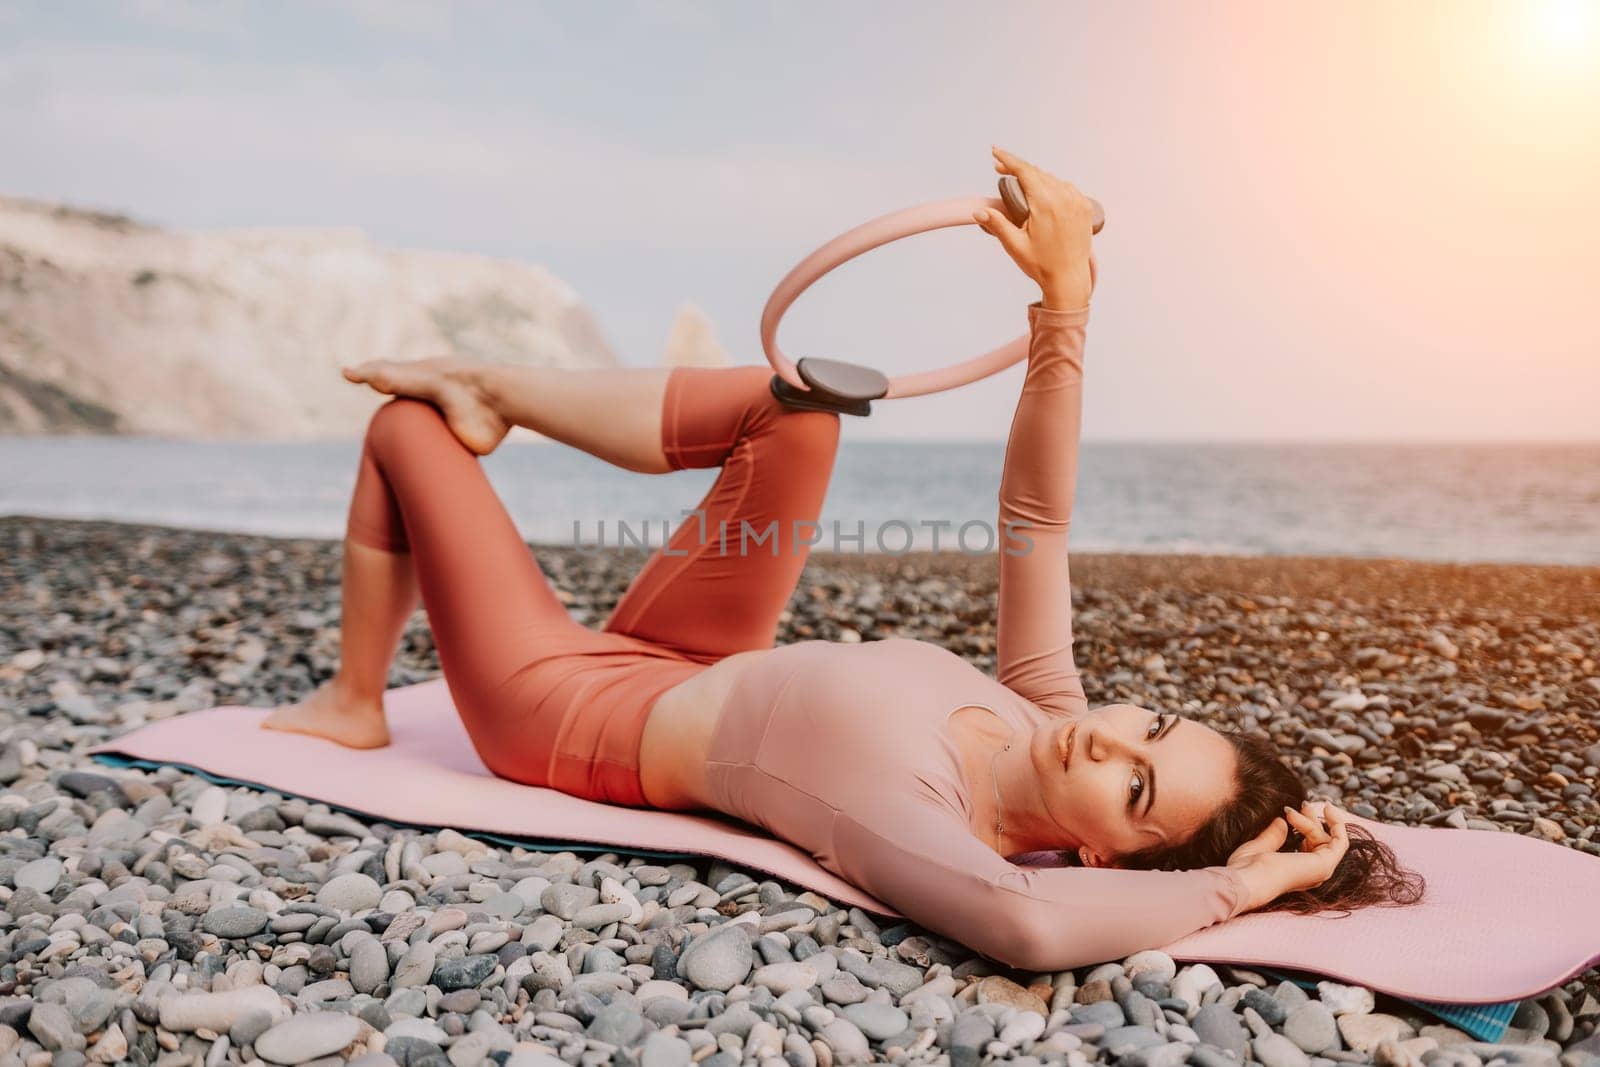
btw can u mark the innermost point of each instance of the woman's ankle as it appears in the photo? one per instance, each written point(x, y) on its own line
point(489, 381)
point(357, 695)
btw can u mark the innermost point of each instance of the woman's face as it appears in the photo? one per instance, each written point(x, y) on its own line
point(1124, 778)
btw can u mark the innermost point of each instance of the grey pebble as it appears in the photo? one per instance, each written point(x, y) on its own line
point(1122, 1039)
point(215, 1011)
point(1207, 1056)
point(464, 973)
point(461, 1002)
point(665, 1050)
point(369, 965)
point(1312, 1028)
point(249, 1026)
point(1168, 1055)
point(40, 875)
point(1290, 995)
point(306, 1037)
point(1106, 1013)
point(1275, 1050)
point(505, 905)
point(782, 978)
point(332, 824)
point(848, 1043)
point(969, 1035)
point(594, 916)
point(876, 1019)
point(718, 960)
point(616, 1024)
point(564, 899)
point(408, 1051)
point(1270, 1008)
point(416, 966)
point(1217, 1025)
point(350, 892)
point(234, 922)
point(844, 988)
point(52, 1027)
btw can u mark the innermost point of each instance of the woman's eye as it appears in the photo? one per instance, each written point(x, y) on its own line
point(1155, 728)
point(1135, 788)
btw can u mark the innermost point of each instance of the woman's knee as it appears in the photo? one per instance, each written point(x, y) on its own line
point(404, 419)
point(815, 432)
point(802, 435)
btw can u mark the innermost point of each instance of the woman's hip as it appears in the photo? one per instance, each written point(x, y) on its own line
point(572, 718)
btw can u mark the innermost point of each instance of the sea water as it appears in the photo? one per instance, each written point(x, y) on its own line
point(1534, 503)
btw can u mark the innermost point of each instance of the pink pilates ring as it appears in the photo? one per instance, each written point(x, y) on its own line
point(922, 218)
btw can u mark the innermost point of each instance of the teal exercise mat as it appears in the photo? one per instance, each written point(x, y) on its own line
point(1486, 1022)
point(1457, 946)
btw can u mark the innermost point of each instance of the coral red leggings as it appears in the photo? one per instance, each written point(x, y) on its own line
point(545, 699)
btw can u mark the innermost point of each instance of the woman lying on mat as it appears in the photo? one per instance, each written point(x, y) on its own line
point(896, 763)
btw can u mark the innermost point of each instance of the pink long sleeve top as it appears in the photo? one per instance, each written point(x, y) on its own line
point(846, 750)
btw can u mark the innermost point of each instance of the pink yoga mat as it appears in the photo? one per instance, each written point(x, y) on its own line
point(1505, 917)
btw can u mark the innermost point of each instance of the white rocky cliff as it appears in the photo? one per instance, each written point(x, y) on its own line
point(111, 326)
point(693, 342)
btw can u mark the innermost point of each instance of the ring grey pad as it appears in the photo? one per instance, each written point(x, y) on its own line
point(833, 385)
point(816, 400)
point(849, 381)
point(1012, 196)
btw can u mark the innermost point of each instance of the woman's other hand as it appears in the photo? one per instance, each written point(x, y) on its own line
point(1269, 873)
point(1053, 247)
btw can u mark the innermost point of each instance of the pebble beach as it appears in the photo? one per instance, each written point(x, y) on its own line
point(153, 917)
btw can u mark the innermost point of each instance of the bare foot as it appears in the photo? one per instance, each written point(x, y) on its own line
point(453, 384)
point(329, 713)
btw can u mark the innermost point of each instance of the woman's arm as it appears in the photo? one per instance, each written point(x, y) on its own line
point(916, 858)
point(914, 852)
point(1034, 628)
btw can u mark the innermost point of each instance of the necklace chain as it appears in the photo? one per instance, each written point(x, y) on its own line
point(998, 831)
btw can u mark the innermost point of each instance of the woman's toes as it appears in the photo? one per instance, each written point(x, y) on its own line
point(381, 374)
point(367, 371)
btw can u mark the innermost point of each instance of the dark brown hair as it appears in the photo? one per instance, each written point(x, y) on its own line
point(1368, 875)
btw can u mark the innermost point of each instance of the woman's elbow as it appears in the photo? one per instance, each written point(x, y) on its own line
point(1029, 940)
point(1053, 937)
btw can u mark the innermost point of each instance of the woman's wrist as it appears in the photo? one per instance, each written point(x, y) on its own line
point(1258, 884)
point(1069, 289)
point(1067, 293)
point(1064, 301)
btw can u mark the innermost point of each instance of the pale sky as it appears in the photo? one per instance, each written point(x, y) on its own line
point(1343, 221)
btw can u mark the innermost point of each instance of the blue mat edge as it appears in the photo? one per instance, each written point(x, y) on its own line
point(1486, 1022)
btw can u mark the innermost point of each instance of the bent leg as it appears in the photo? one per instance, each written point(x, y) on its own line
point(544, 700)
point(726, 574)
point(493, 613)
point(378, 593)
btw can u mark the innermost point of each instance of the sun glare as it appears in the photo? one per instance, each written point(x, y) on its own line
point(1565, 31)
